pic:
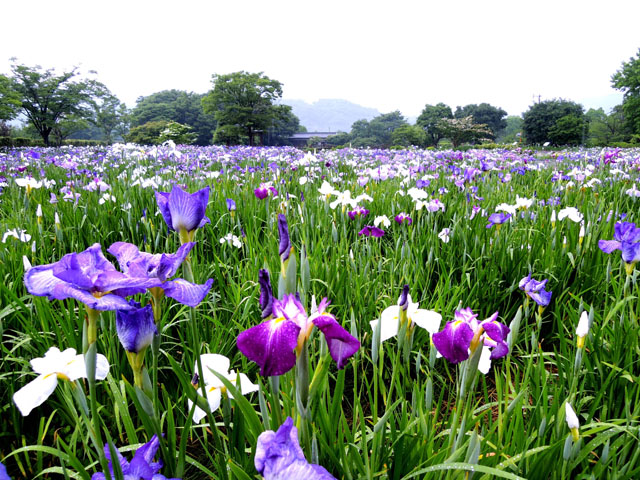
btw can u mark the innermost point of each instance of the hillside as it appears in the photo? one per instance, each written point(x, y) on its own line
point(329, 115)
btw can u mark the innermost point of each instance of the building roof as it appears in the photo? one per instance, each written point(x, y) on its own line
point(308, 135)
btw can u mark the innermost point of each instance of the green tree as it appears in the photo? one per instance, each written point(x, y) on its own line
point(378, 132)
point(177, 106)
point(147, 134)
point(49, 99)
point(510, 131)
point(463, 130)
point(568, 130)
point(109, 115)
point(243, 105)
point(485, 114)
point(178, 134)
point(9, 99)
point(340, 139)
point(429, 121)
point(541, 118)
point(409, 135)
point(285, 124)
point(627, 80)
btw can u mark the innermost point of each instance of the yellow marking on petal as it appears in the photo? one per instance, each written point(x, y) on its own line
point(575, 433)
point(61, 376)
point(580, 342)
point(629, 267)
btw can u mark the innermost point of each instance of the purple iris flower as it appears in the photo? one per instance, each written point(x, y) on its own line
point(279, 456)
point(285, 242)
point(624, 232)
point(466, 333)
point(141, 467)
point(631, 252)
point(357, 211)
point(264, 190)
point(89, 278)
point(273, 344)
point(183, 211)
point(535, 290)
point(231, 204)
point(3, 473)
point(498, 219)
point(160, 267)
point(370, 231)
point(136, 328)
point(266, 293)
point(401, 217)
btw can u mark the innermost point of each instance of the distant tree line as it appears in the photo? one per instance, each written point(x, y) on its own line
point(244, 108)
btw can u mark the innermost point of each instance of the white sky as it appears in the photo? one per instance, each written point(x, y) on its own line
point(394, 54)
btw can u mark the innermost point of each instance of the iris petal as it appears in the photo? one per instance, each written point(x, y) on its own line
point(342, 345)
point(271, 345)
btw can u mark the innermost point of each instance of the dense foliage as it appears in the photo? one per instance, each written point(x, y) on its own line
point(527, 240)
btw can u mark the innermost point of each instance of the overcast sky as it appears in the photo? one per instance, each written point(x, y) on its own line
point(389, 55)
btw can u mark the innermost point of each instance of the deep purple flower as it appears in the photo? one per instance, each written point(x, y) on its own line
point(141, 467)
point(498, 219)
point(285, 242)
point(358, 211)
point(160, 267)
point(264, 190)
point(401, 217)
point(624, 232)
point(279, 456)
point(183, 211)
point(136, 328)
point(535, 290)
point(273, 344)
point(266, 293)
point(89, 278)
point(231, 204)
point(369, 231)
point(463, 335)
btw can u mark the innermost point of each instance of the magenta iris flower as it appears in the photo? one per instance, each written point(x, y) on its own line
point(141, 467)
point(403, 217)
point(370, 231)
point(183, 211)
point(160, 267)
point(264, 190)
point(274, 344)
point(498, 219)
point(89, 278)
point(357, 212)
point(466, 333)
point(279, 456)
point(535, 290)
point(136, 328)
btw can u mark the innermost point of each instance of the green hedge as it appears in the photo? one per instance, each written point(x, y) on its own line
point(13, 142)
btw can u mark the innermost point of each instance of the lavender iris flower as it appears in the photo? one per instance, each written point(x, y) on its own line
point(141, 467)
point(401, 217)
point(136, 328)
point(285, 242)
point(231, 204)
point(159, 268)
point(3, 473)
point(466, 333)
point(273, 344)
point(89, 278)
point(369, 231)
point(535, 290)
point(279, 456)
point(184, 212)
point(624, 232)
point(498, 219)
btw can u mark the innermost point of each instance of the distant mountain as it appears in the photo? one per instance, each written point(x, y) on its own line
point(329, 115)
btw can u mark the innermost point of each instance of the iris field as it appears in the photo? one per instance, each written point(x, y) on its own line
point(352, 314)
